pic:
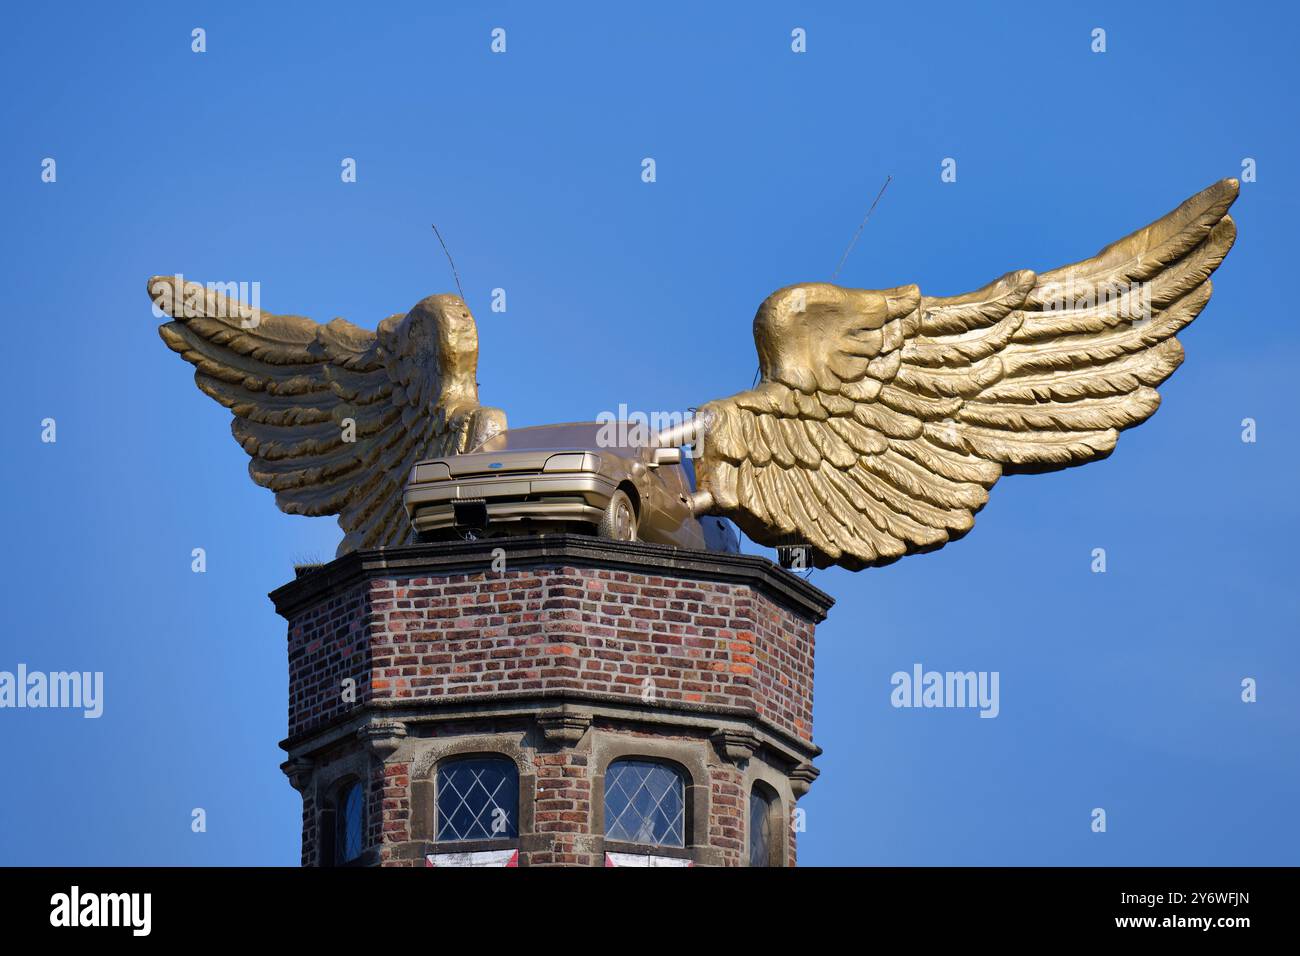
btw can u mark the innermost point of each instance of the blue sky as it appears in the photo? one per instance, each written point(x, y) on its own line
point(1118, 690)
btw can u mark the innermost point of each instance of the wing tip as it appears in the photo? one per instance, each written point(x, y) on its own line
point(161, 291)
point(1224, 193)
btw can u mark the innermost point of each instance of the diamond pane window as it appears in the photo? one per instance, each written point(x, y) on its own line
point(760, 828)
point(347, 840)
point(645, 802)
point(478, 799)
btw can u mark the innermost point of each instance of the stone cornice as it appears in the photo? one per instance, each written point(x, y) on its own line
point(553, 550)
point(739, 723)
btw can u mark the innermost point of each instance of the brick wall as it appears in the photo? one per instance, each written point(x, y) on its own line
point(328, 644)
point(562, 810)
point(611, 633)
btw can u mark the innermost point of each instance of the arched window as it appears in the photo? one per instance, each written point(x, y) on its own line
point(764, 842)
point(478, 799)
point(349, 821)
point(645, 802)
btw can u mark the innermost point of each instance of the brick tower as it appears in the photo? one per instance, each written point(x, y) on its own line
point(554, 700)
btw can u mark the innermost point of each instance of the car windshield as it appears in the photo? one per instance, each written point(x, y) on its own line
point(574, 436)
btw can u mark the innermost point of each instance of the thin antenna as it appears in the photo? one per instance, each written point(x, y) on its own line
point(853, 241)
point(454, 275)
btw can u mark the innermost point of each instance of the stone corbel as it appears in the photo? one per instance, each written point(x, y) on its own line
point(299, 771)
point(382, 737)
point(563, 727)
point(734, 745)
point(801, 779)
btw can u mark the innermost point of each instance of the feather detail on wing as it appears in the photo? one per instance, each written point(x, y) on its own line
point(883, 418)
point(334, 416)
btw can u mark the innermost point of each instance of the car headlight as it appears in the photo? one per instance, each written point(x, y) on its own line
point(430, 471)
point(571, 462)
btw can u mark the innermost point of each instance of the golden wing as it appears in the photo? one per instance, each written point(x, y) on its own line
point(884, 417)
point(334, 416)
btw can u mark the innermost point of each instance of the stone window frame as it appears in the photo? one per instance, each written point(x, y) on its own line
point(779, 819)
point(771, 822)
point(338, 807)
point(330, 785)
point(502, 765)
point(432, 753)
point(689, 757)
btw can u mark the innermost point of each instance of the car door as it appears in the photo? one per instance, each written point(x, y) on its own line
point(668, 518)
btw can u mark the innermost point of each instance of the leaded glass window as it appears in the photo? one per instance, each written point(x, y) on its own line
point(478, 799)
point(349, 823)
point(645, 802)
point(760, 827)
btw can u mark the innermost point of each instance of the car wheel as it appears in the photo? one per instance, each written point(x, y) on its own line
point(619, 521)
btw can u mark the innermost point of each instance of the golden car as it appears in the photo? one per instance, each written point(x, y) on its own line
point(563, 477)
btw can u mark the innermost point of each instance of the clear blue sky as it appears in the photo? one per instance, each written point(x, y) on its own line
point(1118, 691)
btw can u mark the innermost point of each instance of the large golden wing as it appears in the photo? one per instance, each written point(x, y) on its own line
point(334, 416)
point(883, 418)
